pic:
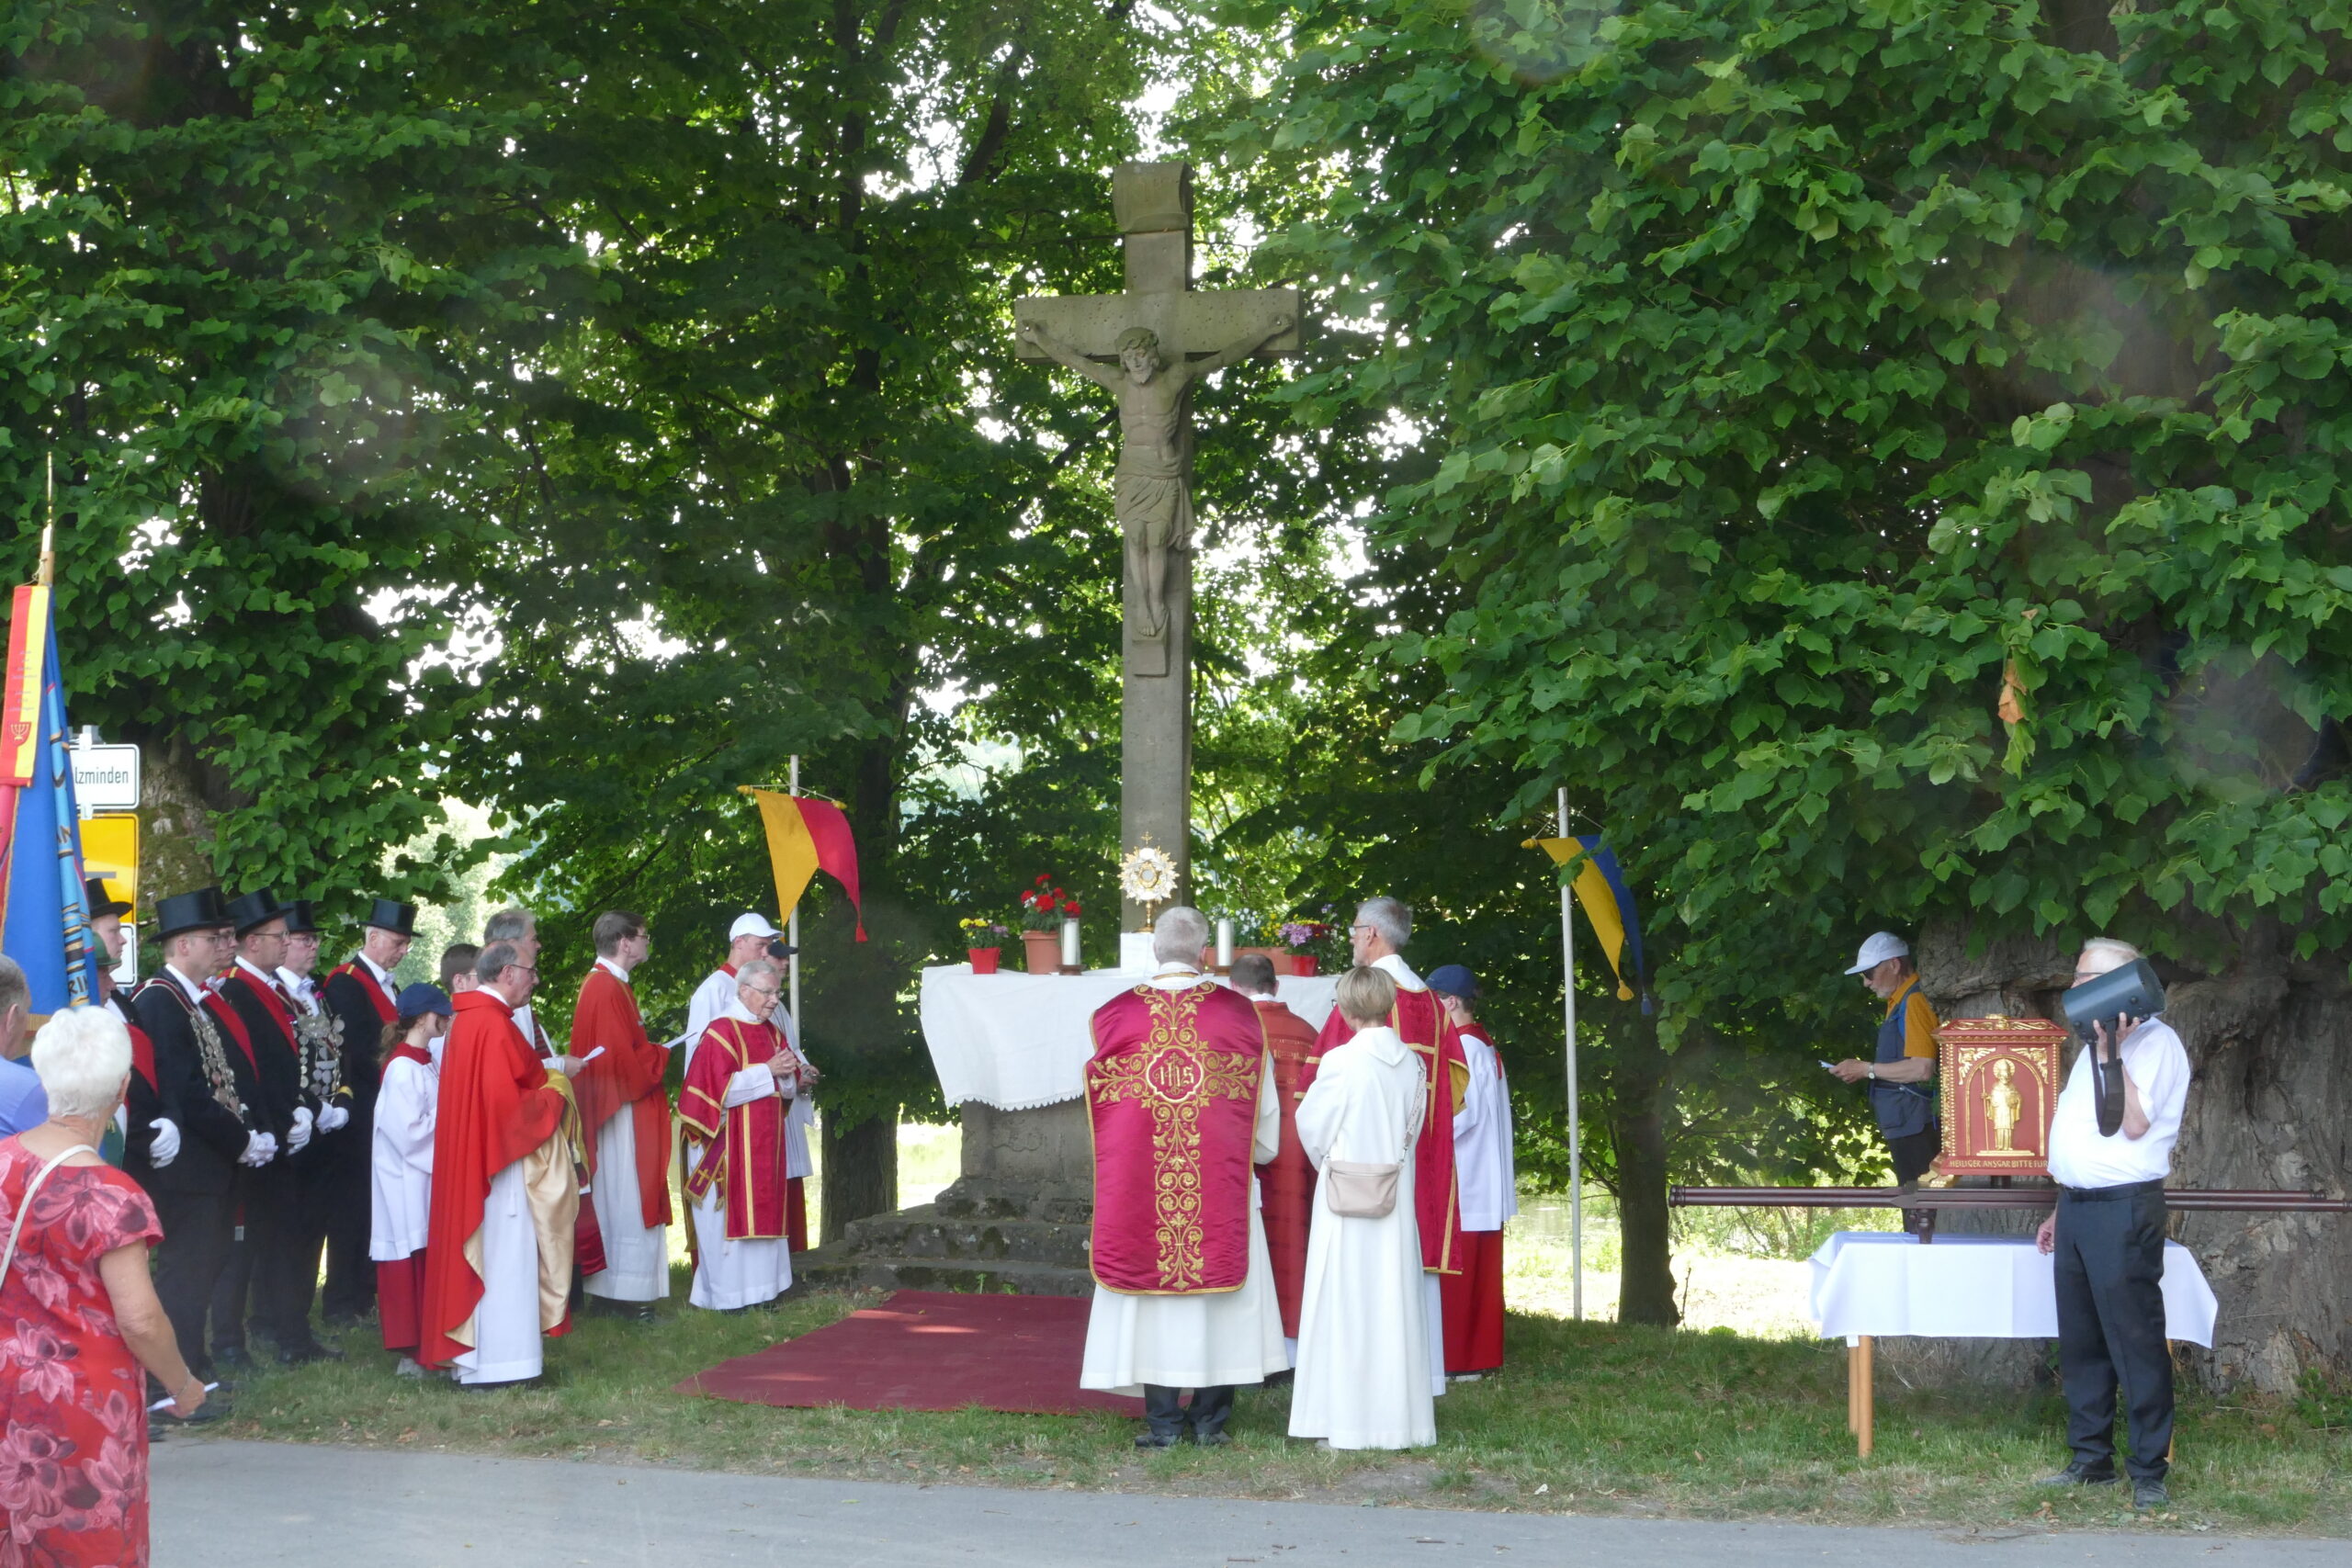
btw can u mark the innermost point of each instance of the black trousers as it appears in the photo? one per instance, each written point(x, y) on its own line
point(271, 1273)
point(340, 1212)
point(1914, 1151)
point(1162, 1414)
point(190, 1262)
point(2111, 1261)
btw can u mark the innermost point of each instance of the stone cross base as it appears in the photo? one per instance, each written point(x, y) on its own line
point(1016, 1220)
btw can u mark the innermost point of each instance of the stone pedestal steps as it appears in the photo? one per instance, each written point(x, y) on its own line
point(980, 1236)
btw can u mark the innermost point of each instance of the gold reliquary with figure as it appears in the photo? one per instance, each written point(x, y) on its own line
point(1998, 1078)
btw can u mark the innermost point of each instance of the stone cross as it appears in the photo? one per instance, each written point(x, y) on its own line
point(1146, 347)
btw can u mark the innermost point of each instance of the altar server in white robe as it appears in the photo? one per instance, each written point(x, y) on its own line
point(733, 1102)
point(752, 937)
point(401, 1168)
point(1362, 1335)
point(1180, 1095)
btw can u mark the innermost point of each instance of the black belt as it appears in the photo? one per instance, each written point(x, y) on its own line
point(2100, 1194)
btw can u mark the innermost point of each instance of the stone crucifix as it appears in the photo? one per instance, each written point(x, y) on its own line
point(1146, 347)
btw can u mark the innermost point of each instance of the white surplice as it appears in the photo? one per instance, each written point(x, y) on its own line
point(1196, 1341)
point(400, 1159)
point(1485, 1174)
point(1364, 1330)
point(508, 1343)
point(709, 1003)
point(637, 1256)
point(729, 1273)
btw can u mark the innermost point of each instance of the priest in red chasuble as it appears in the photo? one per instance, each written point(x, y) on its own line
point(506, 1189)
point(740, 1086)
point(626, 1113)
point(1286, 1183)
point(1181, 1096)
point(1382, 927)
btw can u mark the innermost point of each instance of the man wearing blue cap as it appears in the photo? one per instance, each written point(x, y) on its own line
point(1472, 1300)
point(1902, 1071)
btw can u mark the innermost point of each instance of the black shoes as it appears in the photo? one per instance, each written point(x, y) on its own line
point(1215, 1440)
point(1159, 1440)
point(232, 1355)
point(2150, 1493)
point(2080, 1475)
point(303, 1354)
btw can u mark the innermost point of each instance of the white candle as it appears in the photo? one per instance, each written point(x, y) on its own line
point(1224, 945)
point(1070, 945)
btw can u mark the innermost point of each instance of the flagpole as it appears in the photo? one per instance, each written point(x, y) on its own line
point(1576, 1131)
point(48, 574)
point(792, 923)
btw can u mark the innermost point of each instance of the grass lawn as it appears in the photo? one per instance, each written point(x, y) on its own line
point(1593, 1417)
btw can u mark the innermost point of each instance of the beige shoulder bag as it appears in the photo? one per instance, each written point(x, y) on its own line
point(1364, 1190)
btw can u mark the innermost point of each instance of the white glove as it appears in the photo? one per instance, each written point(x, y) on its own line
point(333, 1119)
point(166, 1146)
point(259, 1146)
point(301, 1135)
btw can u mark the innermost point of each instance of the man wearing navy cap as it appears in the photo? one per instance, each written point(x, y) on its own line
point(1902, 1071)
point(1473, 1300)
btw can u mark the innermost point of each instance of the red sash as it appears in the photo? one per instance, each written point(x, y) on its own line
point(143, 1055)
point(1172, 1093)
point(274, 1004)
point(226, 1017)
point(385, 1011)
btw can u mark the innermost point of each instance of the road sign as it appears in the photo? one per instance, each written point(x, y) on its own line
point(106, 778)
point(110, 849)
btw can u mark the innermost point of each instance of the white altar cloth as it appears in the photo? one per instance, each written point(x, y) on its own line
point(1972, 1287)
point(1018, 1040)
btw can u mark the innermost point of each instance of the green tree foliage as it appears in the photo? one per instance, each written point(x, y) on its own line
point(257, 268)
point(1785, 373)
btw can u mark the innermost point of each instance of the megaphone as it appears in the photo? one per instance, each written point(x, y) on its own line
point(2130, 991)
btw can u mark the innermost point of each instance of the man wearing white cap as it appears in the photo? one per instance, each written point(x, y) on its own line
point(752, 937)
point(1902, 1071)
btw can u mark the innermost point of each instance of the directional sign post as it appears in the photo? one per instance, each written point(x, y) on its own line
point(106, 778)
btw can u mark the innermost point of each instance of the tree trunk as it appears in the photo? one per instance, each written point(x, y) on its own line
point(2269, 1107)
point(179, 798)
point(1642, 1083)
point(861, 1173)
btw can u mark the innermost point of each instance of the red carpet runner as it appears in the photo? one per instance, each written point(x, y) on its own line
point(927, 1350)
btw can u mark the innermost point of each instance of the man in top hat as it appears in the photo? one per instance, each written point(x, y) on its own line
point(1473, 1299)
point(204, 1069)
point(150, 1125)
point(1382, 927)
point(278, 1256)
point(751, 937)
point(362, 997)
point(625, 1115)
point(326, 1193)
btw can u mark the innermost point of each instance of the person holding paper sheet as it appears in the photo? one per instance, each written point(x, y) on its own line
point(751, 936)
point(741, 1083)
point(625, 1115)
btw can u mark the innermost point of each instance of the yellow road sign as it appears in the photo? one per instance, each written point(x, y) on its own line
point(110, 849)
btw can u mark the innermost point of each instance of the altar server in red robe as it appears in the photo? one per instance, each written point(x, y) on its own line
point(1489, 1184)
point(626, 1114)
point(1286, 1183)
point(506, 1191)
point(1181, 1096)
point(739, 1087)
point(1382, 927)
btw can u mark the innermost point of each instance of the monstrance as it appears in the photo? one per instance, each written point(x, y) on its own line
point(1147, 876)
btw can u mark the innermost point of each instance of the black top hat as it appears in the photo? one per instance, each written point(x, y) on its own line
point(302, 914)
point(247, 910)
point(199, 911)
point(94, 894)
point(392, 915)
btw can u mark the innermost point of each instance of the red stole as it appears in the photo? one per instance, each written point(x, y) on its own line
point(744, 1155)
point(496, 1106)
point(385, 1011)
point(627, 1076)
point(1286, 1183)
point(1172, 1094)
point(1425, 1030)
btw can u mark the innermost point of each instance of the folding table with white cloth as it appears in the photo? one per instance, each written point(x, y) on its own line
point(1868, 1283)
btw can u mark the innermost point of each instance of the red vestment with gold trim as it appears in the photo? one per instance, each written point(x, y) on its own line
point(1429, 1034)
point(1171, 1093)
point(1286, 1183)
point(744, 1147)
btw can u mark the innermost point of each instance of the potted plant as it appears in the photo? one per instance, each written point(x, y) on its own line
point(1042, 908)
point(1300, 937)
point(980, 939)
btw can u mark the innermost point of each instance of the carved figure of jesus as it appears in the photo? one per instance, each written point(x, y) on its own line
point(1154, 499)
point(2004, 1106)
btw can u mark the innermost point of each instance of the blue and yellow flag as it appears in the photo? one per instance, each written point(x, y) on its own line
point(44, 924)
point(1608, 903)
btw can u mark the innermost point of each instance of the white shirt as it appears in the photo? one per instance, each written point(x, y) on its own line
point(384, 976)
point(299, 988)
point(1482, 1151)
point(615, 970)
point(2157, 1066)
point(267, 980)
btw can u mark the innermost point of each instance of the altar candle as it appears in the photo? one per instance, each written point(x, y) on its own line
point(1224, 945)
point(1069, 947)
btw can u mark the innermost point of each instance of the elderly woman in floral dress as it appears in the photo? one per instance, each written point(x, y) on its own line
point(78, 1318)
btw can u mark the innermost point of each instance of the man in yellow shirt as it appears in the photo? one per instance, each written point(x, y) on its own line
point(1902, 1072)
